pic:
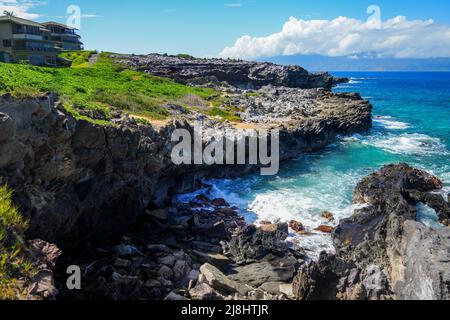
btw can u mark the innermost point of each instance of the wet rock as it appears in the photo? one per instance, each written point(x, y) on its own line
point(296, 226)
point(220, 202)
point(252, 243)
point(328, 216)
point(226, 212)
point(382, 252)
point(216, 279)
point(325, 229)
point(216, 230)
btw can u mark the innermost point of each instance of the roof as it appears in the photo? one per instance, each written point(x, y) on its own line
point(20, 21)
point(53, 23)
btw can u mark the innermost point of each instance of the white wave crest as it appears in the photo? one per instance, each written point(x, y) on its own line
point(387, 122)
point(411, 144)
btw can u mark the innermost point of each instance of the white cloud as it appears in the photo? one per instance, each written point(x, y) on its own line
point(397, 37)
point(21, 8)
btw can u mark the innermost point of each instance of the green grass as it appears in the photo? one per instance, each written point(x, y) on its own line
point(80, 59)
point(184, 56)
point(14, 264)
point(253, 94)
point(227, 113)
point(88, 90)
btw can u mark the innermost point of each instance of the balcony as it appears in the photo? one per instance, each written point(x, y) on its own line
point(26, 36)
point(35, 48)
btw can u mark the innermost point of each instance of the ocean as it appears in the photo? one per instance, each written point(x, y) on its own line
point(411, 124)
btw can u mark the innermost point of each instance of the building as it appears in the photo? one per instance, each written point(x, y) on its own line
point(35, 43)
point(65, 38)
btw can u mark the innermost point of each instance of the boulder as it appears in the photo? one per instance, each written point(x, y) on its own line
point(252, 243)
point(216, 279)
point(271, 287)
point(328, 216)
point(216, 259)
point(181, 269)
point(296, 226)
point(325, 229)
point(270, 269)
point(204, 292)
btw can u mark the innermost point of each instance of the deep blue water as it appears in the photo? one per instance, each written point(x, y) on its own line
point(411, 124)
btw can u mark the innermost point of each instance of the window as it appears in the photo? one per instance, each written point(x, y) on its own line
point(7, 43)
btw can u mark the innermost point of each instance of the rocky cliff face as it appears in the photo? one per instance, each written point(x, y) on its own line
point(382, 251)
point(236, 73)
point(78, 180)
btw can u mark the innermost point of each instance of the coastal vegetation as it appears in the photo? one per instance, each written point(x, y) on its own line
point(14, 264)
point(100, 87)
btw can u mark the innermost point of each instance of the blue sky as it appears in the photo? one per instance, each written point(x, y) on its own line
point(206, 27)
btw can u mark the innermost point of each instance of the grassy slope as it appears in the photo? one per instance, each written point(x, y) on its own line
point(14, 265)
point(105, 86)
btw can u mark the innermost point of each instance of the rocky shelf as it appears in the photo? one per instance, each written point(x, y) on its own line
point(236, 73)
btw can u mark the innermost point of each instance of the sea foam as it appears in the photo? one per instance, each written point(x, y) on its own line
point(408, 143)
point(387, 122)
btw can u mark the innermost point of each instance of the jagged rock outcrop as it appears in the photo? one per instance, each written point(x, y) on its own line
point(79, 180)
point(382, 251)
point(236, 73)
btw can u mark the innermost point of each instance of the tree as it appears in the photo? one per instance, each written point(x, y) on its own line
point(9, 13)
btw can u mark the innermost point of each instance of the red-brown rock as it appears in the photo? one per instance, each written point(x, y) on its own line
point(296, 226)
point(325, 229)
point(328, 216)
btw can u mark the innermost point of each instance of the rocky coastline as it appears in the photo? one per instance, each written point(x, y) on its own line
point(104, 196)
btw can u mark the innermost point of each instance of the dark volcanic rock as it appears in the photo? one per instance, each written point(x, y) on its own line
point(237, 73)
point(382, 251)
point(251, 243)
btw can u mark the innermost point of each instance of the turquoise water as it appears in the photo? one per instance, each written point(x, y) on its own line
point(411, 124)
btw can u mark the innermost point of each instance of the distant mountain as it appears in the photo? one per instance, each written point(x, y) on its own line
point(323, 63)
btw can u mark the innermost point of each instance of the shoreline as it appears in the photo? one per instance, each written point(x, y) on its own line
point(104, 197)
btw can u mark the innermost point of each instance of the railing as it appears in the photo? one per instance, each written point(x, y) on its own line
point(37, 49)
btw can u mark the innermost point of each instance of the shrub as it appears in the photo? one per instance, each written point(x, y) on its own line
point(14, 265)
